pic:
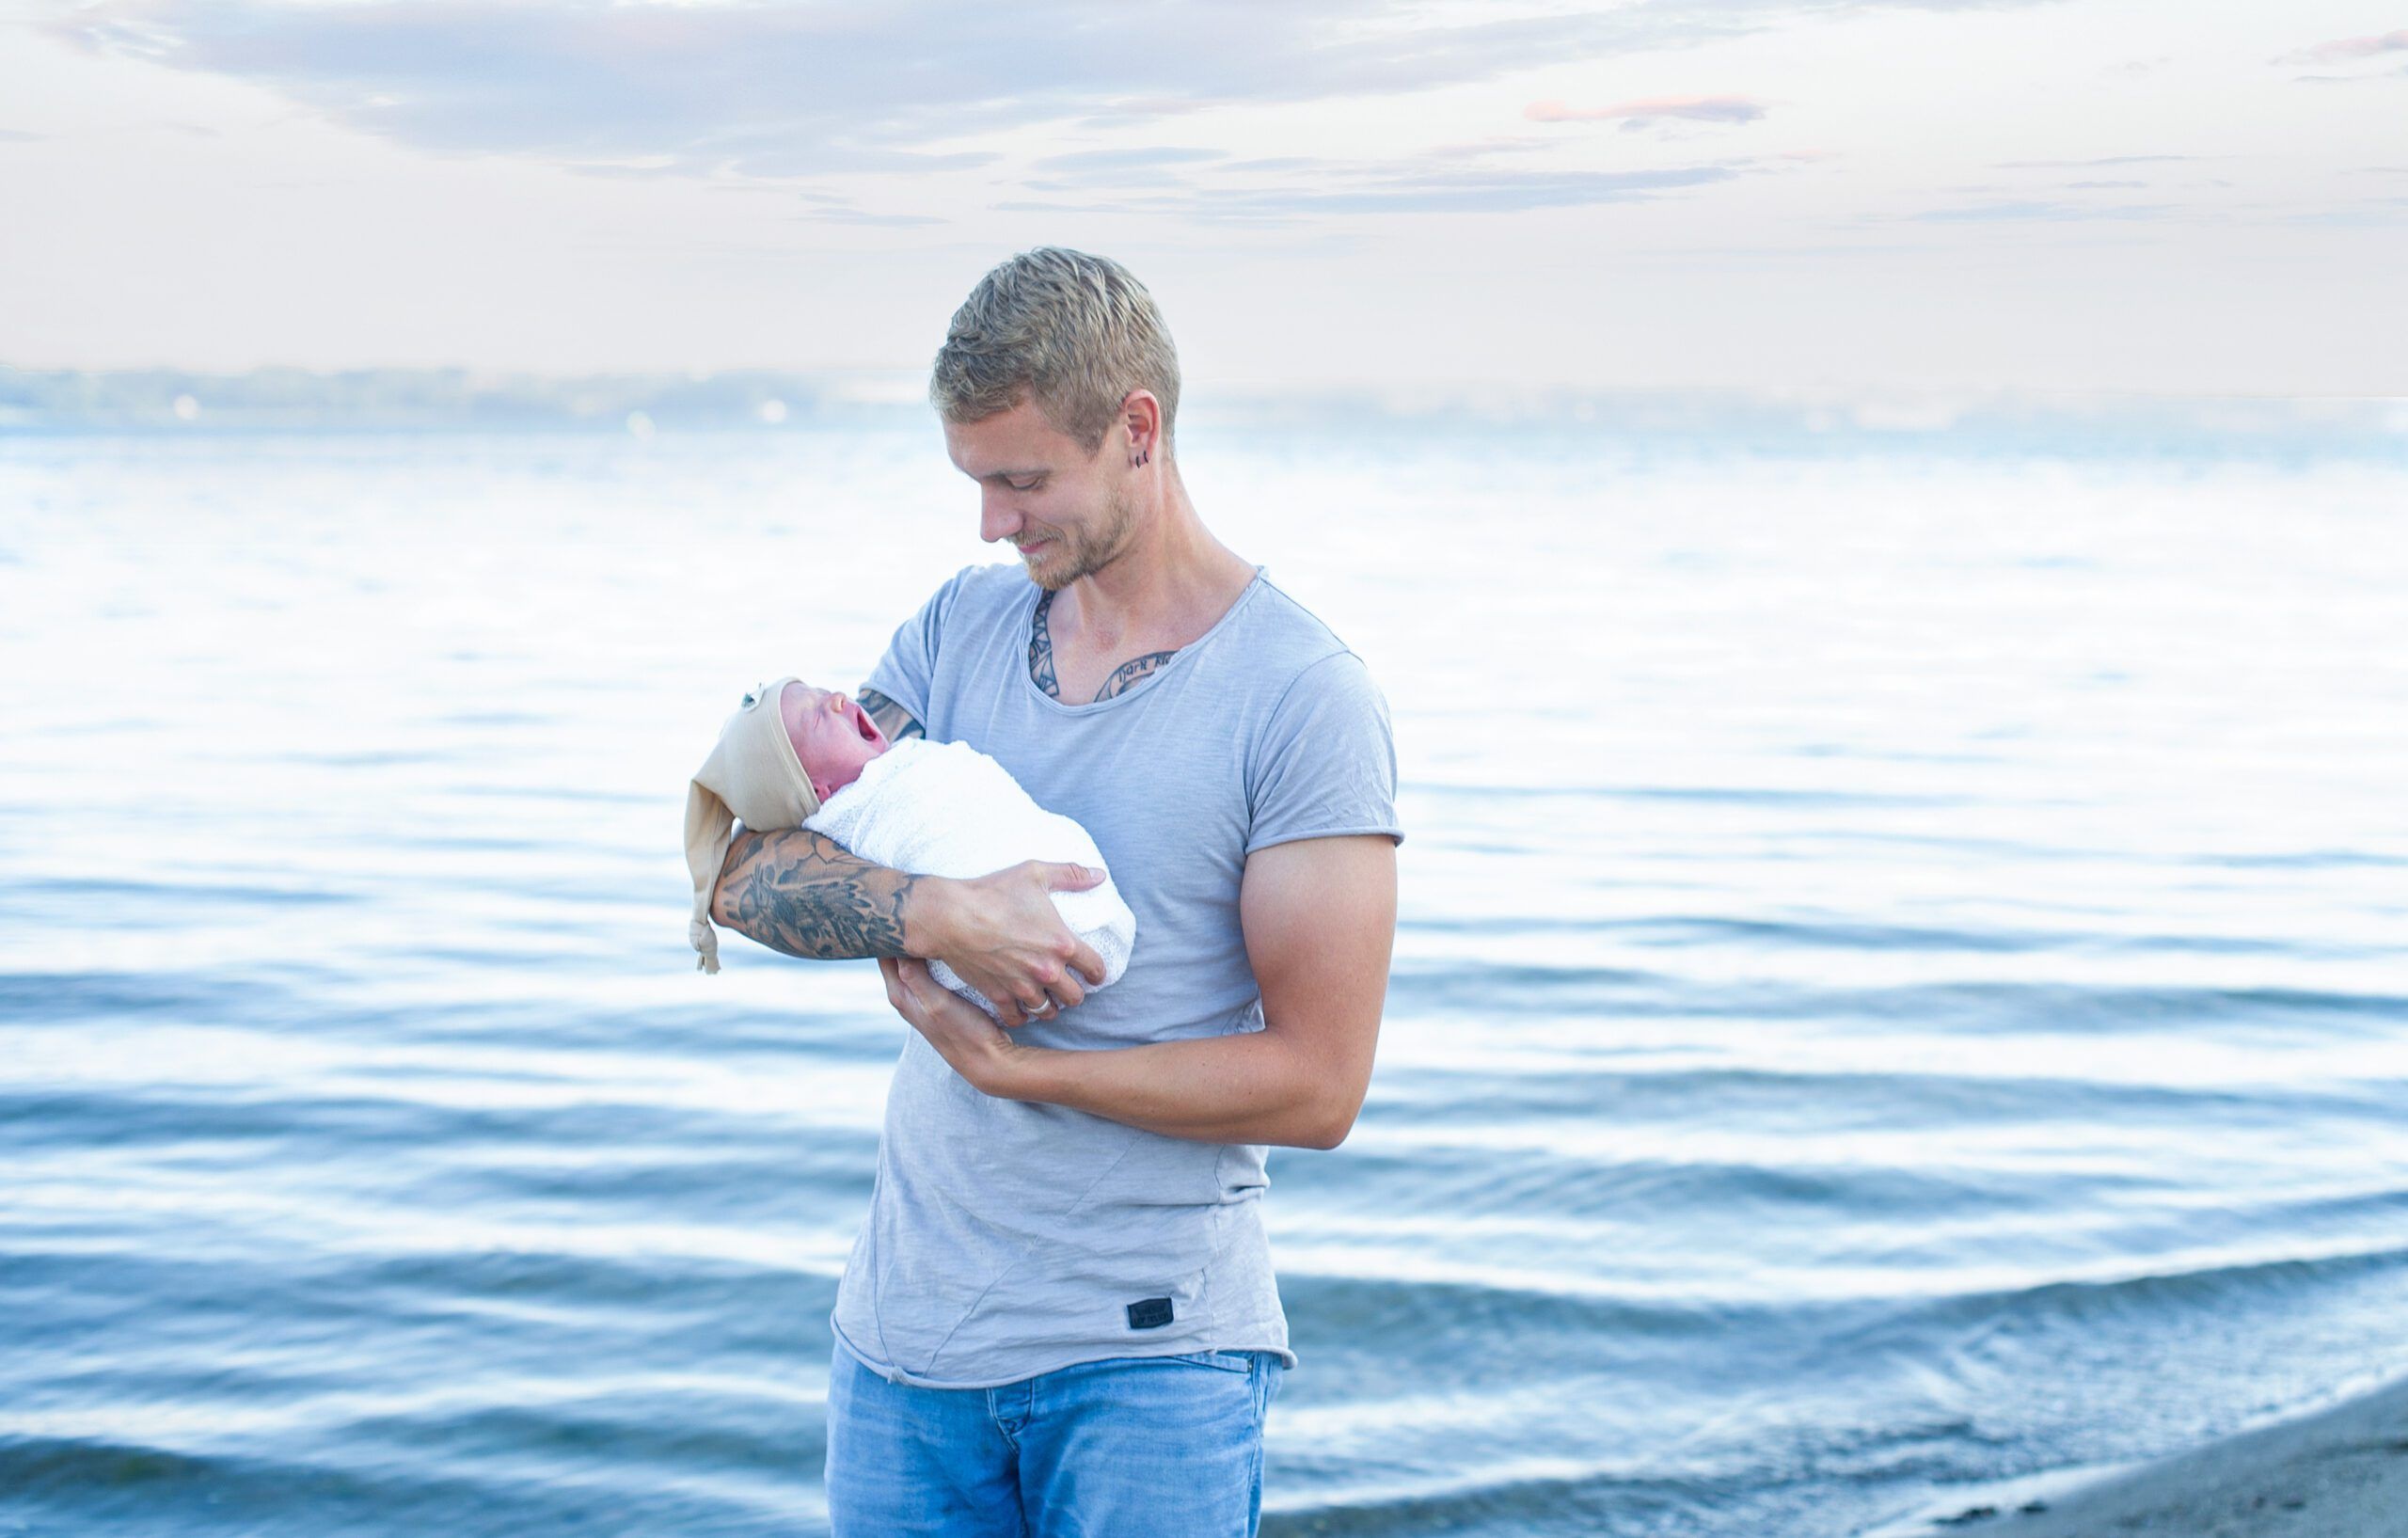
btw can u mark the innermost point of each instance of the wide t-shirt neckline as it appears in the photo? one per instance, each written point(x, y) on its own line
point(1179, 659)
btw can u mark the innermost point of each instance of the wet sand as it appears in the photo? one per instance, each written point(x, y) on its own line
point(2340, 1472)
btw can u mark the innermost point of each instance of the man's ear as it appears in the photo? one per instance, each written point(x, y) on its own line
point(1142, 414)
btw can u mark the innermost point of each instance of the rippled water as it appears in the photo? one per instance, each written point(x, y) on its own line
point(1900, 979)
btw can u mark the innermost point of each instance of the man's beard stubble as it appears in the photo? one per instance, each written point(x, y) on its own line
point(1085, 554)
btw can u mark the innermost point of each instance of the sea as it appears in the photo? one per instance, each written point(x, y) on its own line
point(1901, 982)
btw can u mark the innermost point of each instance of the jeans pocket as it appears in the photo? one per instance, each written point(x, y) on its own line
point(1227, 1361)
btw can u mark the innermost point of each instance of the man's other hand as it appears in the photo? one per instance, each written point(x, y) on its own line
point(1003, 936)
point(960, 1032)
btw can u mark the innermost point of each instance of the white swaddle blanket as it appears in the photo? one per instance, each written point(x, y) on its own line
point(947, 809)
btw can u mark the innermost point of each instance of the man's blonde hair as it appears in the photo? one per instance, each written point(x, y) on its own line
point(1074, 332)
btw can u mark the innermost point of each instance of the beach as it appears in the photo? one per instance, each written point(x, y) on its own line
point(2340, 1472)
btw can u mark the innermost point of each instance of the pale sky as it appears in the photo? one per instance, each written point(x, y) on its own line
point(2186, 196)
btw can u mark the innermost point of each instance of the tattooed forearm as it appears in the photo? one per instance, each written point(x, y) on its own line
point(892, 718)
point(800, 892)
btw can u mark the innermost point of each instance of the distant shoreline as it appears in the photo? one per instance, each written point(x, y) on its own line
point(1814, 421)
point(2339, 1472)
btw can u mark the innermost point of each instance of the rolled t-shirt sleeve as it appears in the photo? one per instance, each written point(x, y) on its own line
point(906, 672)
point(1325, 764)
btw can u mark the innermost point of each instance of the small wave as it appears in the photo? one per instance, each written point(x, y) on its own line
point(495, 718)
point(1673, 929)
point(1801, 934)
point(2303, 860)
point(476, 844)
point(1548, 1188)
point(1823, 1102)
point(1509, 987)
point(136, 1490)
point(1719, 795)
point(550, 794)
point(374, 758)
point(64, 998)
point(1372, 1315)
point(101, 1472)
point(42, 891)
point(835, 1172)
point(2091, 1311)
point(331, 1131)
point(2060, 1006)
point(1517, 1496)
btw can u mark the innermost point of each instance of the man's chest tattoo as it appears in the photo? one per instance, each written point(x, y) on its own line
point(1125, 678)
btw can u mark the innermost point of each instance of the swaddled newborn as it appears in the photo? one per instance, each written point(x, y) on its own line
point(794, 757)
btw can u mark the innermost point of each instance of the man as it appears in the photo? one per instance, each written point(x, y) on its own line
point(1060, 1315)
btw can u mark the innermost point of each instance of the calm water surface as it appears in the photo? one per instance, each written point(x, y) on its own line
point(1902, 982)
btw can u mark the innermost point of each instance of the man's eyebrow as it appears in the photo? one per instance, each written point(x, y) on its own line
point(1009, 475)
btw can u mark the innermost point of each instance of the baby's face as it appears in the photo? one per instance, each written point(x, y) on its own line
point(831, 736)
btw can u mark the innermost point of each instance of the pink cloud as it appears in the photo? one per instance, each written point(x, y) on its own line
point(1712, 109)
point(2350, 48)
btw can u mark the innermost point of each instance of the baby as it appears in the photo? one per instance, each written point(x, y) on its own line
point(793, 756)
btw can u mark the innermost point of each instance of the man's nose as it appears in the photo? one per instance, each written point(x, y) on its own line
point(997, 519)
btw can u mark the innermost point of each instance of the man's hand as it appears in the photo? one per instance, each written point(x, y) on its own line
point(979, 1050)
point(1004, 937)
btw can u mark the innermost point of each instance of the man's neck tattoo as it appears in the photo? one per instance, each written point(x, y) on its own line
point(1125, 678)
point(1040, 648)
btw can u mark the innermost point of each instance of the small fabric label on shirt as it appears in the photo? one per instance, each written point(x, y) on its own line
point(1147, 1312)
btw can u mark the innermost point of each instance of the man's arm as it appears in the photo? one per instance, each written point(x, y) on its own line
point(802, 893)
point(1320, 922)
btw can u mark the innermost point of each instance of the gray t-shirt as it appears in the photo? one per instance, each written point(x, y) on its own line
point(1007, 1238)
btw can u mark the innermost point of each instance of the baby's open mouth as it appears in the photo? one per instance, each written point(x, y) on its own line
point(862, 723)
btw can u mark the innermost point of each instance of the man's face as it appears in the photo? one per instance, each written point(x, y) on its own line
point(832, 735)
point(1068, 514)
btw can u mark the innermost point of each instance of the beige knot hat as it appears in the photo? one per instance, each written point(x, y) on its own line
point(752, 775)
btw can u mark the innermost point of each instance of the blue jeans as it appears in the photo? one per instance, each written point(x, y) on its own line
point(1168, 1447)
